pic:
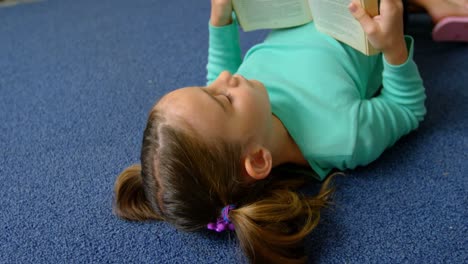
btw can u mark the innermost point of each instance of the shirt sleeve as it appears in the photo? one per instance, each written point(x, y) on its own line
point(399, 108)
point(224, 51)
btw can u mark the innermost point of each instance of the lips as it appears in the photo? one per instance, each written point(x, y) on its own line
point(239, 77)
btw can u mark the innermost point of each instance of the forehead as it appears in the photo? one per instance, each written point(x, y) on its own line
point(194, 108)
point(175, 95)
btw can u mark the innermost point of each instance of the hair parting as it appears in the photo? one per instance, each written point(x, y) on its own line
point(187, 182)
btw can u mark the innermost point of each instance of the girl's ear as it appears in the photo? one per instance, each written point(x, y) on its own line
point(258, 163)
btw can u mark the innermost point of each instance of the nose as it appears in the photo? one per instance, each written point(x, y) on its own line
point(226, 78)
point(225, 75)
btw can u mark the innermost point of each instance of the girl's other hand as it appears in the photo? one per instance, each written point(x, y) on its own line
point(221, 13)
point(385, 31)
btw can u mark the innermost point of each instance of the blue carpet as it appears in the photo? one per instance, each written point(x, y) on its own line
point(77, 79)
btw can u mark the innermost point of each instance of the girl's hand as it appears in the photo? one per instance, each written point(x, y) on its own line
point(221, 13)
point(385, 31)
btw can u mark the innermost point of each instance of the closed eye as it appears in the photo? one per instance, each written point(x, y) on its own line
point(226, 96)
point(229, 97)
point(214, 99)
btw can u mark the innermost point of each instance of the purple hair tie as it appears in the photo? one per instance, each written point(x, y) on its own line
point(223, 221)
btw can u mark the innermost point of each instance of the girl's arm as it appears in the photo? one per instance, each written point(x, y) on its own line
point(399, 108)
point(224, 51)
point(397, 111)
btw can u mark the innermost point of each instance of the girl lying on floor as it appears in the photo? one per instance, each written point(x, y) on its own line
point(210, 154)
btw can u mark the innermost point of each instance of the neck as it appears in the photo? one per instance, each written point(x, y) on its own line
point(285, 150)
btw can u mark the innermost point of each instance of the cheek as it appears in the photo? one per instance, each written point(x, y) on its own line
point(256, 107)
point(260, 101)
point(250, 103)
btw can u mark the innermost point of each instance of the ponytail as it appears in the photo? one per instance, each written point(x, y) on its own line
point(187, 180)
point(272, 229)
point(130, 200)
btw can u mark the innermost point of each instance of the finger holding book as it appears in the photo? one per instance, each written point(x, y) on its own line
point(384, 31)
point(221, 13)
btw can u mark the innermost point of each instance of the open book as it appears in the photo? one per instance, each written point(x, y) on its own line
point(331, 17)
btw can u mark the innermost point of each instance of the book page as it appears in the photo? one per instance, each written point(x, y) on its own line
point(262, 14)
point(333, 18)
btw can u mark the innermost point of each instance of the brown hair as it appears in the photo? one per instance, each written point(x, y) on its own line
point(187, 182)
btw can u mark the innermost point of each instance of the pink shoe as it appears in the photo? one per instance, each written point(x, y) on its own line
point(451, 29)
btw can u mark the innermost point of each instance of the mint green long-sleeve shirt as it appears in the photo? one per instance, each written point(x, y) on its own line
point(343, 109)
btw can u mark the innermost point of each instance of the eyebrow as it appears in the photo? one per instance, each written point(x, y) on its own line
point(215, 99)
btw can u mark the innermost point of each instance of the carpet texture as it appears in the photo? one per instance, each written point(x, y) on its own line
point(77, 79)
